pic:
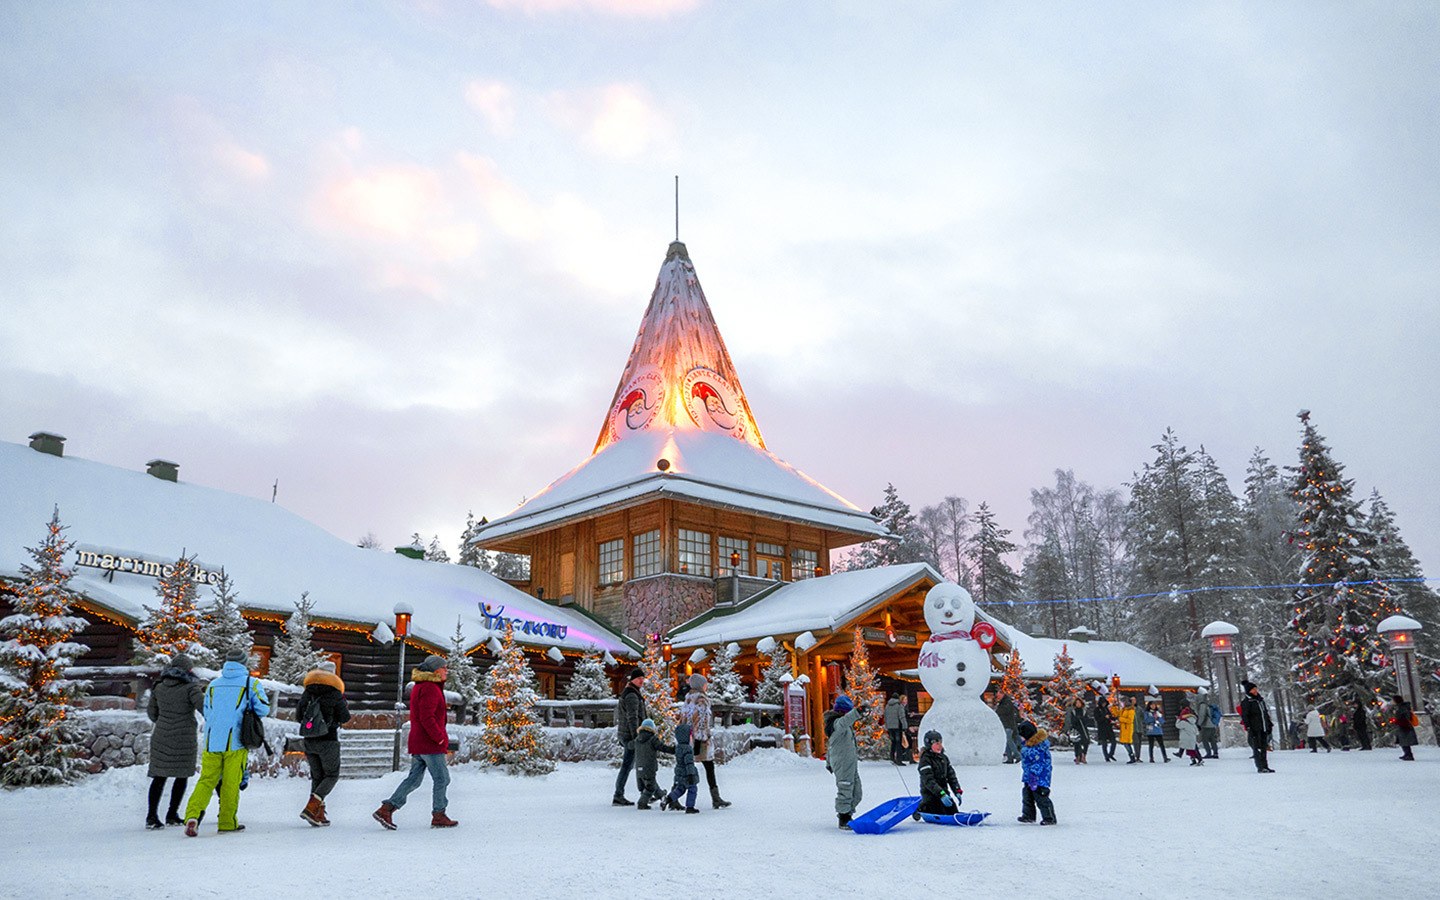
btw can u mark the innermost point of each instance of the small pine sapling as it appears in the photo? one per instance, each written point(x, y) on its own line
point(513, 738)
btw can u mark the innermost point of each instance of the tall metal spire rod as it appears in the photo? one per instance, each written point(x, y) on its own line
point(677, 207)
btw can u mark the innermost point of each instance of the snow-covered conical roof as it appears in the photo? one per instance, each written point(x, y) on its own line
point(679, 375)
point(679, 425)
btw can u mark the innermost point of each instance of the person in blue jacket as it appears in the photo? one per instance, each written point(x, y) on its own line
point(224, 758)
point(1035, 774)
point(687, 777)
point(1155, 731)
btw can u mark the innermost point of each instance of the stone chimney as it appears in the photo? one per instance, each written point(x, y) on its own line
point(163, 469)
point(1082, 635)
point(47, 442)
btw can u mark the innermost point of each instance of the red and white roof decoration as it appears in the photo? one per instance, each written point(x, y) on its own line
point(679, 425)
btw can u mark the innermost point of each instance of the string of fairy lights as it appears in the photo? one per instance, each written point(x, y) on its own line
point(1181, 592)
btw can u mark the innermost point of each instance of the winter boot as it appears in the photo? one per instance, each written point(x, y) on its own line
point(192, 827)
point(153, 823)
point(323, 819)
point(440, 820)
point(717, 801)
point(173, 818)
point(383, 815)
point(844, 820)
point(643, 804)
point(314, 812)
point(622, 801)
point(690, 810)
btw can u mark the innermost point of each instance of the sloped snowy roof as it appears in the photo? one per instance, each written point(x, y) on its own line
point(1098, 660)
point(270, 553)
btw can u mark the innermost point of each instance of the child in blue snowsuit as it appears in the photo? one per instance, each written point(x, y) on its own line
point(687, 777)
point(1035, 774)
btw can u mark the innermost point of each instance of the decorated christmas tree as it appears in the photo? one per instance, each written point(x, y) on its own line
point(862, 684)
point(590, 681)
point(294, 653)
point(39, 737)
point(1338, 654)
point(658, 693)
point(513, 738)
point(463, 677)
point(771, 689)
point(1013, 685)
point(222, 628)
point(1060, 692)
point(725, 684)
point(173, 626)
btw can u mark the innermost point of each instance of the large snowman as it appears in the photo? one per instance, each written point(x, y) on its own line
point(955, 670)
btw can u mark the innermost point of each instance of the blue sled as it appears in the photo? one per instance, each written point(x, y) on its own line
point(963, 818)
point(885, 816)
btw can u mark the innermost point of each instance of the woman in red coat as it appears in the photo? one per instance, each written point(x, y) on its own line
point(429, 743)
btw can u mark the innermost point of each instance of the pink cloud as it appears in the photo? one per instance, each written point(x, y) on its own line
point(619, 120)
point(495, 101)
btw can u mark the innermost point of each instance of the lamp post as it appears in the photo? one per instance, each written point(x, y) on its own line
point(403, 612)
point(1399, 633)
point(1222, 655)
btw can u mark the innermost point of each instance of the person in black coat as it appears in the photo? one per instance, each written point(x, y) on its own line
point(629, 713)
point(1360, 721)
point(1104, 727)
point(1403, 718)
point(1009, 715)
point(325, 692)
point(1258, 726)
point(174, 701)
point(648, 748)
point(939, 790)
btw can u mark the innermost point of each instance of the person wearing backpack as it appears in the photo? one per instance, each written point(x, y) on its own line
point(1207, 716)
point(223, 762)
point(320, 712)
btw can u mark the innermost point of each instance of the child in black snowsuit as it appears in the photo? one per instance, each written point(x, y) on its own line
point(939, 789)
point(687, 777)
point(647, 751)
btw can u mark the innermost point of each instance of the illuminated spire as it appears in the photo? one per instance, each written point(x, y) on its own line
point(679, 375)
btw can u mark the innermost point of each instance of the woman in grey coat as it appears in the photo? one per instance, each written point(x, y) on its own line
point(174, 701)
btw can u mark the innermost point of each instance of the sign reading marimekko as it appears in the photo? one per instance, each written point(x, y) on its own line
point(138, 565)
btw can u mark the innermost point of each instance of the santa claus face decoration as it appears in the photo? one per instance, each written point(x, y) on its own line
point(712, 402)
point(638, 403)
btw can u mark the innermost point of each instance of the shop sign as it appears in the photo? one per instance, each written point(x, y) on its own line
point(496, 620)
point(137, 565)
point(900, 638)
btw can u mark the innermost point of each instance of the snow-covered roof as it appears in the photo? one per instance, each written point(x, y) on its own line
point(814, 604)
point(1098, 660)
point(679, 425)
point(271, 555)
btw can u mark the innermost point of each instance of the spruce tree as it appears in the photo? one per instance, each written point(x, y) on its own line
point(295, 654)
point(986, 551)
point(471, 554)
point(862, 682)
point(463, 678)
point(222, 627)
point(1269, 517)
point(725, 684)
point(1060, 692)
point(904, 545)
point(39, 737)
point(1013, 685)
point(513, 738)
point(1405, 579)
point(658, 693)
point(771, 689)
point(173, 626)
point(436, 553)
point(1338, 654)
point(589, 682)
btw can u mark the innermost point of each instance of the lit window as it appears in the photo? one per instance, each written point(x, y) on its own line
point(803, 564)
point(647, 554)
point(694, 552)
point(612, 562)
point(729, 547)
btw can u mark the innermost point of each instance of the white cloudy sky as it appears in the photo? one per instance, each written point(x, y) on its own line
point(394, 256)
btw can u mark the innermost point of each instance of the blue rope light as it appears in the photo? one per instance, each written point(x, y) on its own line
point(1225, 587)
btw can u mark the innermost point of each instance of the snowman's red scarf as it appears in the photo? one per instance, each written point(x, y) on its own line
point(961, 635)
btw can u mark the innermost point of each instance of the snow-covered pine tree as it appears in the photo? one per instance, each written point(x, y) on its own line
point(985, 552)
point(436, 553)
point(173, 626)
point(904, 546)
point(658, 692)
point(1394, 561)
point(1060, 692)
point(725, 684)
point(1013, 685)
point(463, 678)
point(1047, 582)
point(1338, 654)
point(222, 627)
point(295, 654)
point(513, 738)
point(511, 567)
point(589, 682)
point(39, 737)
point(862, 683)
point(771, 689)
point(1269, 516)
point(470, 554)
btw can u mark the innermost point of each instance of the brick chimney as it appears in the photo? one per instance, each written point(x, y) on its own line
point(163, 469)
point(47, 442)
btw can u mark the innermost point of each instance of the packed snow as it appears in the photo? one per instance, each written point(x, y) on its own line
point(1352, 824)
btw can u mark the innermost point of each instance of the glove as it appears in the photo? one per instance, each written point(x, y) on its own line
point(949, 804)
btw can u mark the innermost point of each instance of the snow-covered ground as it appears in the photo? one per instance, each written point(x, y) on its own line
point(1352, 824)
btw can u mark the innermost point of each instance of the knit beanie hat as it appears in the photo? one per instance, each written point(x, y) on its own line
point(1248, 685)
point(326, 666)
point(648, 723)
point(697, 682)
point(235, 654)
point(432, 663)
point(1027, 730)
point(843, 704)
point(635, 673)
point(182, 662)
